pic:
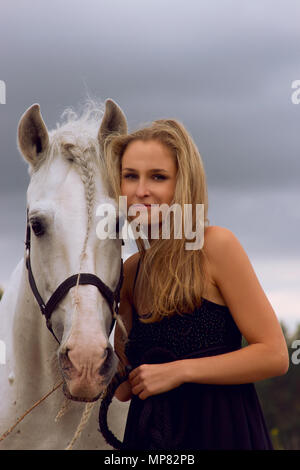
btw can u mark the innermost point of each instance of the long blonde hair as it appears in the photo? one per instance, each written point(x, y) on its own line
point(172, 279)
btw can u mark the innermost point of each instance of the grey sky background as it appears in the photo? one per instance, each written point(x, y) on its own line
point(223, 68)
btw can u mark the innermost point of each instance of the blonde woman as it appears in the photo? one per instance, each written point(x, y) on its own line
point(186, 310)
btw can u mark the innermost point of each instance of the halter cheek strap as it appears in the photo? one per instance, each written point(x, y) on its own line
point(112, 297)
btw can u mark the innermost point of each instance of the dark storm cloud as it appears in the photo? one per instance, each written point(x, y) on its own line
point(223, 68)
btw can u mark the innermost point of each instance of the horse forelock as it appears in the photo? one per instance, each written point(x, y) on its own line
point(75, 139)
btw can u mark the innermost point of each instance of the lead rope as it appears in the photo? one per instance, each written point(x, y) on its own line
point(110, 438)
point(55, 387)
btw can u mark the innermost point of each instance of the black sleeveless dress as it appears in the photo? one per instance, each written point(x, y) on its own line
point(192, 416)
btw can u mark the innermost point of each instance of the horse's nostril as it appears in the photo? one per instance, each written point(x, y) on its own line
point(64, 359)
point(107, 361)
point(106, 353)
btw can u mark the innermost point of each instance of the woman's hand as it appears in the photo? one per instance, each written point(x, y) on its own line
point(152, 379)
point(123, 392)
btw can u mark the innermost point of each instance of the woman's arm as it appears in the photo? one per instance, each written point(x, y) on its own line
point(267, 353)
point(123, 392)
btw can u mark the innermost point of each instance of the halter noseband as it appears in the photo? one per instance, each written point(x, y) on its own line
point(112, 297)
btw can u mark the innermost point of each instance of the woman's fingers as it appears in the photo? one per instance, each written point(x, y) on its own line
point(136, 380)
point(137, 388)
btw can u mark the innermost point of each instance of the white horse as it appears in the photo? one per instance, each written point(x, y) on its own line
point(67, 182)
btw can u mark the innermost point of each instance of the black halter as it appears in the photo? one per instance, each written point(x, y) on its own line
point(112, 298)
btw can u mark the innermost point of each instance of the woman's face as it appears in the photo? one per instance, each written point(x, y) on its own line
point(148, 174)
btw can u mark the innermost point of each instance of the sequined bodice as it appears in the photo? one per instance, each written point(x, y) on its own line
point(208, 326)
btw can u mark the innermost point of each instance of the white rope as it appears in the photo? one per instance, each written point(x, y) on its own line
point(83, 422)
point(64, 408)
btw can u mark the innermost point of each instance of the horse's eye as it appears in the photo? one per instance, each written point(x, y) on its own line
point(37, 227)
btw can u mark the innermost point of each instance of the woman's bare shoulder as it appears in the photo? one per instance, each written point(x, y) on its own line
point(216, 239)
point(130, 264)
point(214, 236)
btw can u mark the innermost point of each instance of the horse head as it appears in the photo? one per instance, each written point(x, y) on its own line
point(67, 181)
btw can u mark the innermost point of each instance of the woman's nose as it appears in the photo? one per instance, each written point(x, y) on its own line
point(142, 188)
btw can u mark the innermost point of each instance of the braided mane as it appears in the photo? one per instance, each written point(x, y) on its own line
point(75, 139)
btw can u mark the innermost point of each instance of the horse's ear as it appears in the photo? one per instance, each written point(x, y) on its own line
point(113, 120)
point(33, 138)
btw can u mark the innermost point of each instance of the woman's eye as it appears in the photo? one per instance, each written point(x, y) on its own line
point(157, 176)
point(37, 227)
point(129, 175)
point(160, 177)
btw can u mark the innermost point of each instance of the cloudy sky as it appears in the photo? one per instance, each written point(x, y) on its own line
point(223, 68)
